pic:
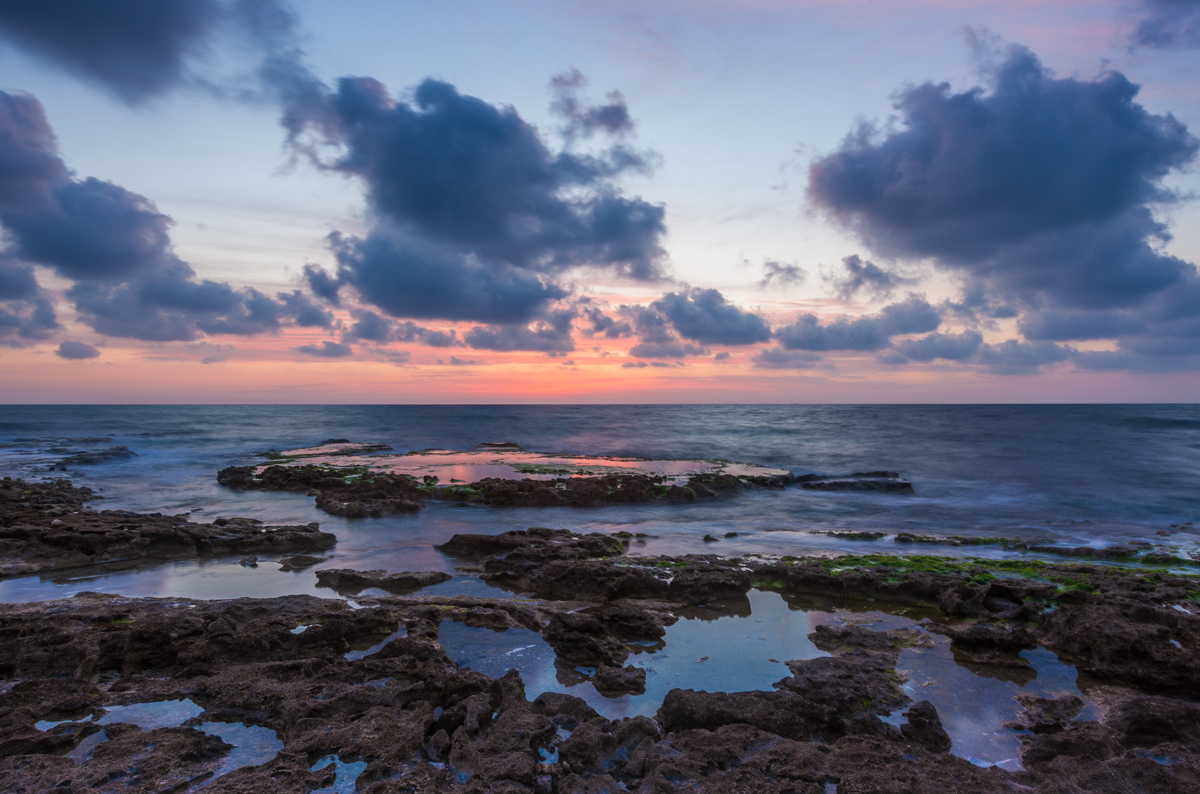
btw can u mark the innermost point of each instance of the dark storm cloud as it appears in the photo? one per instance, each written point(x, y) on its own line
point(93, 229)
point(1059, 326)
point(326, 350)
point(863, 276)
point(323, 285)
point(475, 215)
point(1039, 185)
point(952, 347)
point(304, 311)
point(780, 275)
point(25, 321)
point(136, 48)
point(407, 278)
point(140, 49)
point(912, 316)
point(371, 327)
point(115, 246)
point(1168, 25)
point(705, 316)
point(1038, 192)
point(655, 336)
point(76, 351)
point(17, 281)
point(551, 335)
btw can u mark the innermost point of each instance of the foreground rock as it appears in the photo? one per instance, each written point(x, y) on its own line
point(47, 525)
point(413, 720)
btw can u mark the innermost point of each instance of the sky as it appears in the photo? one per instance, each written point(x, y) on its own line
point(761, 201)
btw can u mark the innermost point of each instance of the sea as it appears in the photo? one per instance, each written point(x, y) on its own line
point(1063, 475)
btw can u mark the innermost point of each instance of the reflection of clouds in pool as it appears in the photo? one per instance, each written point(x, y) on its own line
point(737, 655)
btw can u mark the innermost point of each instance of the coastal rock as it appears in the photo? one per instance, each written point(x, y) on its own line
point(924, 727)
point(44, 526)
point(345, 580)
point(298, 562)
point(616, 681)
point(92, 457)
point(888, 481)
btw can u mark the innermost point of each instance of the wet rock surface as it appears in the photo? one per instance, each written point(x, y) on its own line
point(48, 525)
point(348, 581)
point(375, 494)
point(857, 481)
point(418, 721)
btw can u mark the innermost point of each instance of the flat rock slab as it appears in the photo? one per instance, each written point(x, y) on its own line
point(345, 580)
point(506, 460)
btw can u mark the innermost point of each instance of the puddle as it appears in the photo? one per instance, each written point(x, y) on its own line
point(252, 745)
point(359, 653)
point(713, 651)
point(347, 774)
point(974, 707)
point(148, 716)
point(708, 650)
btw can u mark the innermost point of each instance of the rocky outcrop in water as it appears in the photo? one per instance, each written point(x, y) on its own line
point(888, 481)
point(345, 580)
point(359, 493)
point(47, 525)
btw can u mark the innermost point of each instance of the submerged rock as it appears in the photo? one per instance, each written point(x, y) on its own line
point(345, 580)
point(858, 481)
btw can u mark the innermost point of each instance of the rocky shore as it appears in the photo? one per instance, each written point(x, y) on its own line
point(48, 525)
point(374, 494)
point(296, 693)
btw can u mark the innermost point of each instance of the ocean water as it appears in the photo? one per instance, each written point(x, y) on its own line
point(1065, 475)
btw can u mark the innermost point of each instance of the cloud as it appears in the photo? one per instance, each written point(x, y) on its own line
point(953, 347)
point(865, 276)
point(212, 359)
point(550, 335)
point(76, 351)
point(1014, 357)
point(1036, 191)
point(142, 49)
point(409, 278)
point(115, 246)
point(912, 316)
point(778, 358)
point(705, 316)
point(603, 324)
point(371, 327)
point(304, 311)
point(1168, 25)
point(475, 216)
point(656, 364)
point(584, 120)
point(326, 349)
point(455, 361)
point(778, 274)
point(655, 337)
point(26, 314)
